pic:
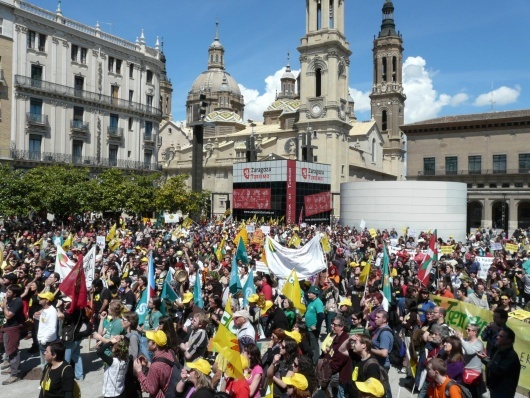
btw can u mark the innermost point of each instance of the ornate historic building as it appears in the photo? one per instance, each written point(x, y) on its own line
point(80, 95)
point(312, 118)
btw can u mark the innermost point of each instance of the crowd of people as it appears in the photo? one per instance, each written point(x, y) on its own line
point(343, 345)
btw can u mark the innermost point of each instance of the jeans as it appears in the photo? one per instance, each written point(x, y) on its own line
point(14, 358)
point(329, 319)
point(335, 387)
point(73, 353)
point(313, 341)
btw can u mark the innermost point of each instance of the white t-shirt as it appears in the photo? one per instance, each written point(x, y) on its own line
point(47, 326)
point(114, 378)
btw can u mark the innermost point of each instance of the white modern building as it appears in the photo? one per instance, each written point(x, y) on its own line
point(80, 95)
point(418, 205)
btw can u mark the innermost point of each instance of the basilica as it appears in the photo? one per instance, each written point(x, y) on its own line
point(312, 118)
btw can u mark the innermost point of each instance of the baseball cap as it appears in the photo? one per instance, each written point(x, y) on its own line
point(313, 289)
point(253, 298)
point(187, 297)
point(266, 307)
point(47, 295)
point(296, 336)
point(200, 364)
point(371, 386)
point(297, 380)
point(242, 314)
point(346, 302)
point(158, 336)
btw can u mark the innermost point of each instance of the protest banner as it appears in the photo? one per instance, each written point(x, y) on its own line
point(100, 241)
point(485, 264)
point(459, 315)
point(512, 247)
point(496, 246)
point(446, 249)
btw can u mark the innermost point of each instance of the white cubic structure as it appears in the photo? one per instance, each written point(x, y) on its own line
point(418, 205)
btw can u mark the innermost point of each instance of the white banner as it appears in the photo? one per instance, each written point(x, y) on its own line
point(171, 218)
point(266, 229)
point(485, 264)
point(63, 265)
point(307, 260)
point(100, 241)
point(89, 265)
point(496, 246)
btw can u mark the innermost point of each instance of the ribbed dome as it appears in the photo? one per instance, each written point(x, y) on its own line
point(212, 81)
point(288, 75)
point(216, 44)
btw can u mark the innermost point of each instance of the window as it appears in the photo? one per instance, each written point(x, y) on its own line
point(149, 100)
point(383, 69)
point(131, 95)
point(1, 25)
point(79, 83)
point(428, 166)
point(118, 66)
point(111, 64)
point(35, 110)
point(130, 124)
point(32, 39)
point(149, 76)
point(318, 82)
point(474, 164)
point(78, 117)
point(42, 42)
point(113, 122)
point(77, 151)
point(451, 165)
point(148, 157)
point(499, 164)
point(36, 75)
point(113, 155)
point(73, 53)
point(384, 121)
point(35, 143)
point(114, 90)
point(131, 71)
point(84, 52)
point(148, 130)
point(524, 163)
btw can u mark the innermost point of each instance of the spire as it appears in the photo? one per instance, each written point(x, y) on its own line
point(217, 30)
point(388, 27)
point(216, 51)
point(288, 82)
point(288, 67)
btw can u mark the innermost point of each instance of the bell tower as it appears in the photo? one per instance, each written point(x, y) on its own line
point(387, 97)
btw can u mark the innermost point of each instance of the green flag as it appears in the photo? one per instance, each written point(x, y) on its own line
point(141, 307)
point(167, 293)
point(241, 253)
point(387, 291)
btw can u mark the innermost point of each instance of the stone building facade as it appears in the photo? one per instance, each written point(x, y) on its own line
point(80, 95)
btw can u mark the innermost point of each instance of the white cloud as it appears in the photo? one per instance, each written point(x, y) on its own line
point(362, 101)
point(501, 96)
point(256, 103)
point(423, 101)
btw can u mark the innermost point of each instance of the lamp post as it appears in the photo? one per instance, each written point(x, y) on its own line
point(504, 211)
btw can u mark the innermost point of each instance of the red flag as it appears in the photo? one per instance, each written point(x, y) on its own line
point(74, 286)
point(424, 270)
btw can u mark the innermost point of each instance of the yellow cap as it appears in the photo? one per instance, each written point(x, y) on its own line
point(346, 302)
point(253, 298)
point(200, 364)
point(266, 307)
point(296, 336)
point(47, 295)
point(297, 380)
point(188, 296)
point(371, 386)
point(158, 336)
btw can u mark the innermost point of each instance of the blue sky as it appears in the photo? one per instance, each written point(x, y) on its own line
point(465, 56)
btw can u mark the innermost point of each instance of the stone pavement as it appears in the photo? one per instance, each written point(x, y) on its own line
point(28, 387)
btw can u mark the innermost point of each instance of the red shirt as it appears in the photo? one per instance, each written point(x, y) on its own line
point(266, 289)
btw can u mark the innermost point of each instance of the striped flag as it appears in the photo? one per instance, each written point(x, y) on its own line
point(151, 292)
point(432, 256)
point(387, 291)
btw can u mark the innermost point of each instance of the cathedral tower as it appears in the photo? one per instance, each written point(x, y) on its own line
point(324, 70)
point(387, 98)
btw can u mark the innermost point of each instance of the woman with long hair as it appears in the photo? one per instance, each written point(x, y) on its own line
point(304, 345)
point(454, 358)
point(305, 366)
point(110, 326)
point(282, 365)
point(290, 312)
point(276, 340)
point(117, 364)
point(254, 374)
point(165, 323)
point(195, 381)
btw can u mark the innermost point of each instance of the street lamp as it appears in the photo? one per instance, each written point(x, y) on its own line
point(504, 211)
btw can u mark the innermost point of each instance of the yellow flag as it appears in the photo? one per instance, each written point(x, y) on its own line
point(111, 233)
point(296, 241)
point(226, 344)
point(187, 223)
point(363, 277)
point(40, 242)
point(270, 391)
point(292, 291)
point(219, 250)
point(242, 234)
point(325, 244)
point(373, 232)
point(68, 243)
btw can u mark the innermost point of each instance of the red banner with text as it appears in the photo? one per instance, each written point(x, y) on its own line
point(317, 203)
point(290, 211)
point(252, 198)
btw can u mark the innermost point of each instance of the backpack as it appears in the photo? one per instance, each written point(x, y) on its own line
point(175, 375)
point(323, 372)
point(465, 392)
point(399, 350)
point(383, 374)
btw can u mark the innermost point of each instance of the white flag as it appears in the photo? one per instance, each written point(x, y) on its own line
point(63, 265)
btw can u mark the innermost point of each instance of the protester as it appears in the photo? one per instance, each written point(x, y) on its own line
point(58, 376)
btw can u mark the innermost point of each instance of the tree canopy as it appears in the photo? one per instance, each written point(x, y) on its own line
point(68, 190)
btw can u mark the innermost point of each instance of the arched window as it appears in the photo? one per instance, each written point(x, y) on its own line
point(318, 82)
point(383, 69)
point(373, 150)
point(384, 124)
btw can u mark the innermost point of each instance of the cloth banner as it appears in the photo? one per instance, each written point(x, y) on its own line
point(63, 265)
point(446, 249)
point(171, 218)
point(512, 247)
point(307, 260)
point(485, 264)
point(460, 314)
point(89, 265)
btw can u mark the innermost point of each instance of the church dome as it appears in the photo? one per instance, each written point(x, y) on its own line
point(211, 81)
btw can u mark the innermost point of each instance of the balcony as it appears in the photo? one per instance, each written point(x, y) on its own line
point(88, 161)
point(149, 137)
point(36, 119)
point(115, 132)
point(76, 94)
point(79, 126)
point(455, 173)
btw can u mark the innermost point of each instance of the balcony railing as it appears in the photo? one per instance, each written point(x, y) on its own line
point(79, 125)
point(452, 173)
point(37, 119)
point(89, 161)
point(115, 132)
point(149, 137)
point(76, 93)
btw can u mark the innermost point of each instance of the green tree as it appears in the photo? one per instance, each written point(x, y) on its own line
point(173, 194)
point(142, 191)
point(13, 192)
point(57, 189)
point(108, 191)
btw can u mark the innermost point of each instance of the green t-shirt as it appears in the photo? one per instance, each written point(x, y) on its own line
point(313, 308)
point(152, 319)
